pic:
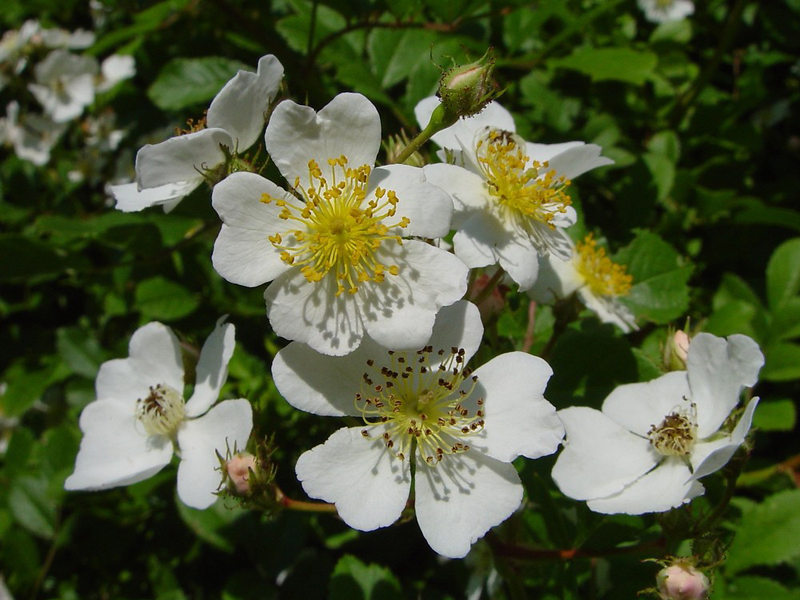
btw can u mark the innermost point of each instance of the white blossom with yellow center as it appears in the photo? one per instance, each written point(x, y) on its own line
point(140, 418)
point(652, 442)
point(425, 416)
point(662, 11)
point(590, 273)
point(336, 246)
point(511, 196)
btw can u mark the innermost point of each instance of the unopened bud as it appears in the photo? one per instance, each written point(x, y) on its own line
point(466, 90)
point(676, 351)
point(239, 469)
point(681, 581)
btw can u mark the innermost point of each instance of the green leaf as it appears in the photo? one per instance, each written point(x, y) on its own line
point(210, 525)
point(354, 580)
point(164, 300)
point(80, 350)
point(786, 319)
point(782, 362)
point(395, 53)
point(32, 505)
point(783, 273)
point(662, 169)
point(756, 588)
point(610, 64)
point(769, 533)
point(24, 259)
point(186, 82)
point(26, 385)
point(775, 415)
point(659, 292)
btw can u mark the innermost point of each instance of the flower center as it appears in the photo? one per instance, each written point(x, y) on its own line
point(604, 277)
point(421, 405)
point(526, 191)
point(339, 230)
point(161, 411)
point(676, 434)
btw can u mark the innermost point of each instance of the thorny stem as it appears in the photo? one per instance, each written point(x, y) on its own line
point(302, 505)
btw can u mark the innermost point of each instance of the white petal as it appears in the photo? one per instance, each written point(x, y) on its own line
point(519, 421)
point(569, 159)
point(477, 242)
point(240, 107)
point(461, 498)
point(130, 199)
point(467, 189)
point(600, 457)
point(639, 406)
point(399, 312)
point(312, 314)
point(212, 368)
point(319, 384)
point(608, 309)
point(665, 487)
point(556, 280)
point(458, 325)
point(154, 358)
point(521, 262)
point(349, 125)
point(366, 482)
point(718, 369)
point(545, 152)
point(493, 116)
point(429, 208)
point(226, 426)
point(180, 159)
point(113, 450)
point(243, 253)
point(711, 456)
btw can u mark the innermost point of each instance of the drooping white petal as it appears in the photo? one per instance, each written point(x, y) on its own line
point(467, 189)
point(718, 369)
point(493, 116)
point(368, 485)
point(226, 426)
point(639, 406)
point(312, 314)
point(129, 198)
point(519, 421)
point(319, 384)
point(154, 358)
point(399, 312)
point(349, 125)
point(477, 241)
point(569, 159)
point(114, 451)
point(240, 107)
point(181, 159)
point(665, 487)
point(710, 456)
point(212, 368)
point(458, 325)
point(463, 497)
point(600, 457)
point(521, 262)
point(243, 253)
point(428, 208)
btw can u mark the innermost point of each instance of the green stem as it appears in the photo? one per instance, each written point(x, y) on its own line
point(439, 120)
point(303, 505)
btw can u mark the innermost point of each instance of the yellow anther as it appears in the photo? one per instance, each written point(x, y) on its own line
point(602, 276)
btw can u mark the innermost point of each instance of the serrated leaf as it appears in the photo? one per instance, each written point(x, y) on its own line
point(769, 534)
point(185, 82)
point(79, 350)
point(354, 580)
point(659, 292)
point(610, 64)
point(783, 273)
point(775, 415)
point(395, 53)
point(32, 506)
point(164, 300)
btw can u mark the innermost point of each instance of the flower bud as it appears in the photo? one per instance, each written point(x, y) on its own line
point(394, 146)
point(676, 351)
point(238, 470)
point(681, 581)
point(466, 90)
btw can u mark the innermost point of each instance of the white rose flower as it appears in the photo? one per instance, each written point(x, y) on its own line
point(64, 84)
point(598, 281)
point(424, 412)
point(653, 441)
point(510, 200)
point(32, 136)
point(115, 68)
point(168, 171)
point(334, 248)
point(140, 418)
point(662, 11)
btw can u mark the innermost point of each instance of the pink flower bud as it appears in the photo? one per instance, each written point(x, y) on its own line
point(681, 581)
point(681, 341)
point(239, 468)
point(676, 351)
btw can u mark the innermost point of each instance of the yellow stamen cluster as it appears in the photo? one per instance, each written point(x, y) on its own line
point(339, 229)
point(676, 434)
point(162, 411)
point(526, 191)
point(193, 125)
point(421, 405)
point(602, 276)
